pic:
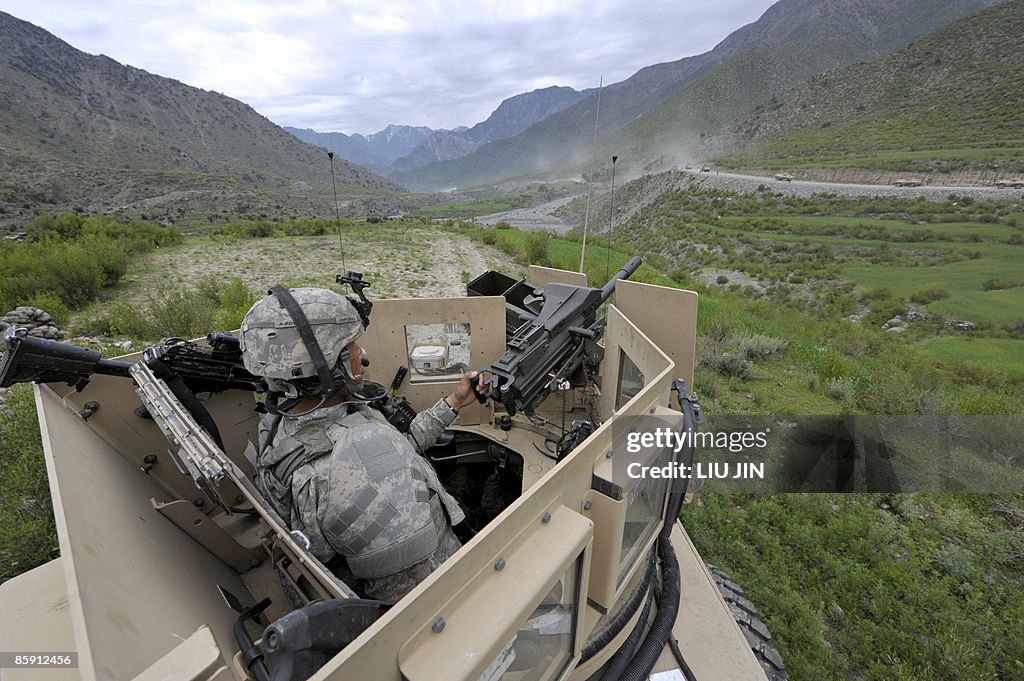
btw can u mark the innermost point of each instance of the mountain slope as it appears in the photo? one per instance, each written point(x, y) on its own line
point(958, 90)
point(512, 116)
point(70, 119)
point(675, 102)
point(375, 151)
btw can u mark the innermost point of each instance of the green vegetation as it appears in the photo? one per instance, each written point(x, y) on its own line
point(27, 534)
point(72, 258)
point(877, 587)
point(212, 305)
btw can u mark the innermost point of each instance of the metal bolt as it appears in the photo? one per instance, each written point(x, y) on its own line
point(272, 640)
point(587, 505)
point(499, 565)
point(546, 518)
point(608, 454)
point(651, 411)
point(199, 503)
point(438, 625)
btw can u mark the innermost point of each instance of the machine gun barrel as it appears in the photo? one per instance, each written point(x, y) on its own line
point(625, 273)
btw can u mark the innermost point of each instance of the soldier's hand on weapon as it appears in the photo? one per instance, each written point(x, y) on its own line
point(467, 390)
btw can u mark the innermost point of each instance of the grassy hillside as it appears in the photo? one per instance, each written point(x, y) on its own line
point(953, 99)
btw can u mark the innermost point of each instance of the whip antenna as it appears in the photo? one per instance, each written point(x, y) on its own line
point(590, 182)
point(611, 222)
point(337, 216)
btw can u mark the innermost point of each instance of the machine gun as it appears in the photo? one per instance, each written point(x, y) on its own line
point(204, 369)
point(556, 344)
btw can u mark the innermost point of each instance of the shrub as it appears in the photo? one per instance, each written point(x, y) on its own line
point(489, 237)
point(838, 388)
point(53, 305)
point(537, 248)
point(502, 224)
point(735, 366)
point(831, 366)
point(758, 345)
point(722, 280)
point(929, 295)
point(996, 284)
point(185, 313)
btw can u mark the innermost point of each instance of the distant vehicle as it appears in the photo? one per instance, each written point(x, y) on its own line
point(783, 177)
point(1010, 184)
point(705, 168)
point(908, 182)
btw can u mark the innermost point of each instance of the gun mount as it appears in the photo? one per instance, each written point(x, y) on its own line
point(556, 344)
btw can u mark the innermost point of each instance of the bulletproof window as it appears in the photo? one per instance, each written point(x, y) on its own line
point(541, 648)
point(631, 380)
point(438, 352)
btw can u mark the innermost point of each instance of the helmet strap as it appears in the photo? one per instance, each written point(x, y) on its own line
point(323, 370)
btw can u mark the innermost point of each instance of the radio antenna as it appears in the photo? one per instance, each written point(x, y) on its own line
point(337, 216)
point(590, 182)
point(611, 223)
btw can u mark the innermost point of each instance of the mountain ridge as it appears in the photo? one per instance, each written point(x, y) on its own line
point(68, 120)
point(560, 143)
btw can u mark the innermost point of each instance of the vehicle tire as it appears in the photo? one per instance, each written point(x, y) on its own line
point(754, 630)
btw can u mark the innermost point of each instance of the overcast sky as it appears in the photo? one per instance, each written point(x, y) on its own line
point(356, 65)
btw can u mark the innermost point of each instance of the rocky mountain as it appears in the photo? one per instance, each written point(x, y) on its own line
point(512, 116)
point(957, 91)
point(375, 151)
point(83, 131)
point(667, 107)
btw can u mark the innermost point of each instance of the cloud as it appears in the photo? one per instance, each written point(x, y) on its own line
point(354, 66)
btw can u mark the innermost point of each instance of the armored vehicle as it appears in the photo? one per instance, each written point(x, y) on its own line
point(172, 566)
point(908, 182)
point(784, 177)
point(1010, 184)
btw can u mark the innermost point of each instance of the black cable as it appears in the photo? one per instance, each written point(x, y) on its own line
point(623, 655)
point(597, 642)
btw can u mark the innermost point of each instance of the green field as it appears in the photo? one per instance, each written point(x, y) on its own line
point(1004, 354)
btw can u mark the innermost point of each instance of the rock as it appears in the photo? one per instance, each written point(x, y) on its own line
point(128, 345)
point(916, 313)
point(896, 329)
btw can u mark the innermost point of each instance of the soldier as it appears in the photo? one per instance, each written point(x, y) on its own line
point(333, 467)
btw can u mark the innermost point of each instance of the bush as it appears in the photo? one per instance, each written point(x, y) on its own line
point(758, 345)
point(831, 366)
point(489, 237)
point(53, 305)
point(929, 295)
point(502, 224)
point(722, 280)
point(537, 248)
point(185, 313)
point(996, 284)
point(735, 366)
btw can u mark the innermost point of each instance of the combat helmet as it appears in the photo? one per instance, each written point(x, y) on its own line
point(294, 339)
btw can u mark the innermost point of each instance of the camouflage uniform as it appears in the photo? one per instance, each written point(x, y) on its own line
point(356, 487)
